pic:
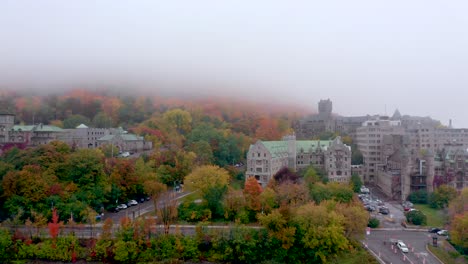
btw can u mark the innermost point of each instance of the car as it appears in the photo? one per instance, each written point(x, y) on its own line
point(132, 203)
point(434, 230)
point(125, 154)
point(113, 209)
point(442, 232)
point(402, 246)
point(407, 204)
point(384, 210)
point(121, 207)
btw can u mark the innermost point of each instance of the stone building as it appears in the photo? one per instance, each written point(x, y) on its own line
point(80, 137)
point(369, 140)
point(451, 166)
point(312, 126)
point(266, 158)
point(28, 135)
point(403, 157)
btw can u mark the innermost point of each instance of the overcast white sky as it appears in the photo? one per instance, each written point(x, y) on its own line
point(366, 56)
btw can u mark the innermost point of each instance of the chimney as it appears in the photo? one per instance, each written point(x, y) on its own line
point(450, 123)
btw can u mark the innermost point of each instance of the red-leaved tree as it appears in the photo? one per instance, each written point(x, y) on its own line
point(54, 227)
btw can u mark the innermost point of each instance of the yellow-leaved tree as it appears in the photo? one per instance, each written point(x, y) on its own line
point(211, 183)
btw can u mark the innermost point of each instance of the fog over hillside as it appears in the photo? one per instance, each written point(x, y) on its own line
point(368, 57)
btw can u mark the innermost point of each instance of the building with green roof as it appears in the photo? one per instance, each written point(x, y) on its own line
point(266, 158)
point(79, 137)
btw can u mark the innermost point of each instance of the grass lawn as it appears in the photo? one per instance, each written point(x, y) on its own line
point(448, 256)
point(435, 217)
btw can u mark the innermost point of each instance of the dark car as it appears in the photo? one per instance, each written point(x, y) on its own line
point(113, 209)
point(384, 210)
point(434, 230)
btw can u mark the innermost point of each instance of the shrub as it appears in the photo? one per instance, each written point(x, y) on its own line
point(416, 217)
point(373, 223)
point(418, 197)
point(5, 245)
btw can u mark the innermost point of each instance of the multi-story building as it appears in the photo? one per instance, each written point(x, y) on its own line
point(80, 137)
point(402, 157)
point(369, 140)
point(451, 166)
point(266, 158)
point(30, 135)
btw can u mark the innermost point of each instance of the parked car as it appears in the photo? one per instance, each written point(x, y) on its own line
point(384, 210)
point(434, 230)
point(125, 154)
point(114, 209)
point(132, 203)
point(122, 207)
point(402, 247)
point(407, 204)
point(442, 232)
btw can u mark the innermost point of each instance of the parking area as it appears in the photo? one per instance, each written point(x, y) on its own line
point(400, 246)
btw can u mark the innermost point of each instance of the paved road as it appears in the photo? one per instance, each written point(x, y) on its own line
point(137, 210)
point(416, 242)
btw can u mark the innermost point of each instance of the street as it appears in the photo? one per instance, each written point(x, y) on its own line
point(136, 211)
point(416, 242)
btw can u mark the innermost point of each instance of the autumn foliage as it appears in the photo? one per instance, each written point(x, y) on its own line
point(252, 191)
point(54, 226)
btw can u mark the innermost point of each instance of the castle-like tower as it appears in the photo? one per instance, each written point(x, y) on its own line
point(6, 125)
point(325, 108)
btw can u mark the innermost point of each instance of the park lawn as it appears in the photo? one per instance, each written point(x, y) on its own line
point(435, 217)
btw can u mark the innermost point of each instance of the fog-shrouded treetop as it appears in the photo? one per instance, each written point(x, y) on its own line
point(368, 57)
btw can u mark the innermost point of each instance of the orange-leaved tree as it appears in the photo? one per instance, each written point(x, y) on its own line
point(252, 191)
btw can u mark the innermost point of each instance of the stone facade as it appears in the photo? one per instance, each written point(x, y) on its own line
point(80, 137)
point(403, 157)
point(312, 126)
point(266, 158)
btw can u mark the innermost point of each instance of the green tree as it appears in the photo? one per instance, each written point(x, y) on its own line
point(322, 231)
point(356, 183)
point(102, 120)
point(6, 246)
point(416, 217)
point(419, 197)
point(442, 196)
point(75, 120)
point(373, 222)
point(203, 151)
point(180, 119)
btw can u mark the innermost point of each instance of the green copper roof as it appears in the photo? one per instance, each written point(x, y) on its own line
point(37, 128)
point(125, 137)
point(306, 145)
point(277, 148)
